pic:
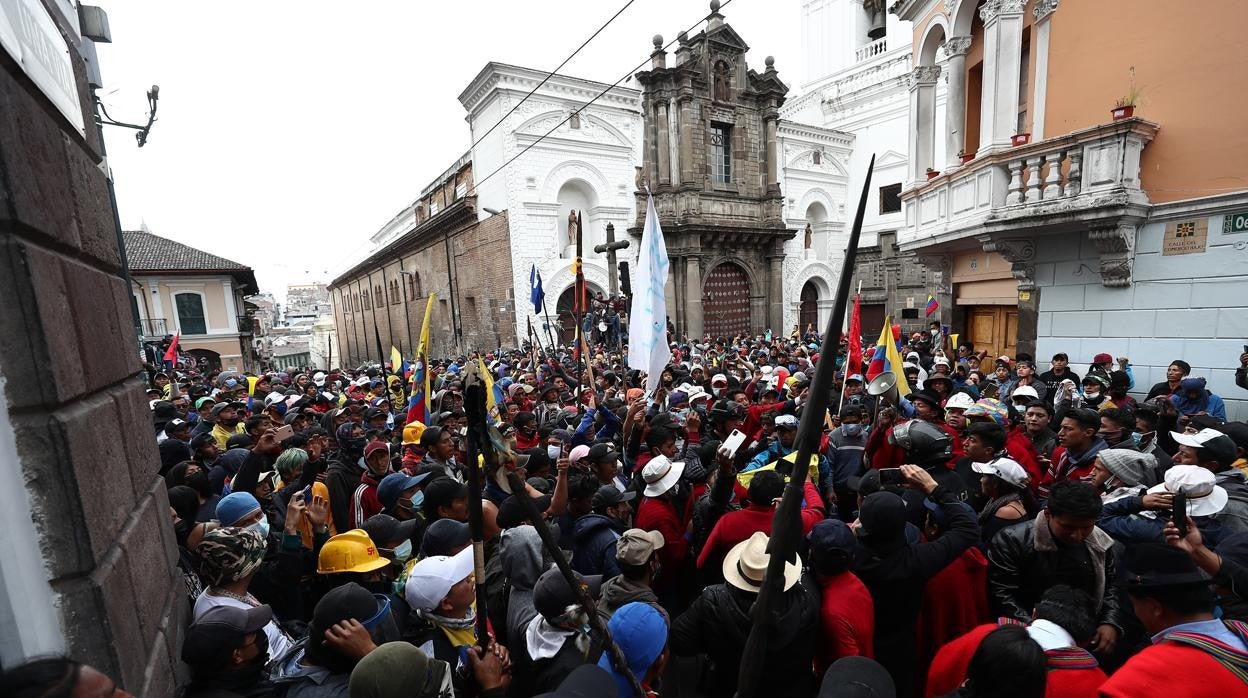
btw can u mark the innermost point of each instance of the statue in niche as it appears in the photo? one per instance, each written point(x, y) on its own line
point(810, 235)
point(723, 81)
point(572, 227)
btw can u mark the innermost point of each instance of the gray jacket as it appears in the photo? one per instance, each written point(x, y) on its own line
point(306, 681)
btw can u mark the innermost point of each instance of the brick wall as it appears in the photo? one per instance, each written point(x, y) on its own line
point(81, 428)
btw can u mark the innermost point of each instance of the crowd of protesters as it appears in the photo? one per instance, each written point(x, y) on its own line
point(993, 530)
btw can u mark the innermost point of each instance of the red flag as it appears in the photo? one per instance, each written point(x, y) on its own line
point(171, 354)
point(854, 364)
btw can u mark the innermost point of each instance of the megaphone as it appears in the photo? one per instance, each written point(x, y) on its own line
point(884, 386)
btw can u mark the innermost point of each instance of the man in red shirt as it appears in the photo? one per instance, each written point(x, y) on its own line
point(364, 502)
point(847, 613)
point(1064, 619)
point(1193, 654)
point(765, 488)
point(658, 512)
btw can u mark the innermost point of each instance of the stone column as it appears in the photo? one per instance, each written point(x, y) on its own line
point(662, 146)
point(955, 99)
point(770, 118)
point(693, 297)
point(922, 119)
point(685, 114)
point(1003, 32)
point(775, 294)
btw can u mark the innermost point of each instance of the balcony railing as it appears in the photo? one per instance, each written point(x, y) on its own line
point(154, 328)
point(1080, 173)
point(871, 50)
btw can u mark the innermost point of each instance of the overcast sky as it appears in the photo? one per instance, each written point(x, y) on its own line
point(289, 133)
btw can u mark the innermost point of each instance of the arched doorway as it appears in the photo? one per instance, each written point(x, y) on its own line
point(726, 302)
point(808, 314)
point(206, 359)
point(564, 323)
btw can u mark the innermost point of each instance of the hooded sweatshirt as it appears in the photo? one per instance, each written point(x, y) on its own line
point(523, 562)
point(593, 544)
point(620, 590)
point(1205, 402)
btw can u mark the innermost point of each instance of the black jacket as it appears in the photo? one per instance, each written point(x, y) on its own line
point(1022, 563)
point(895, 574)
point(718, 624)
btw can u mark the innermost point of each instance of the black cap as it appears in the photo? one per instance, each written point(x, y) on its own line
point(1238, 431)
point(382, 529)
point(883, 515)
point(511, 512)
point(1155, 565)
point(221, 629)
point(866, 483)
point(441, 492)
point(599, 453)
point(552, 595)
point(927, 396)
point(341, 603)
point(857, 677)
point(444, 536)
point(610, 495)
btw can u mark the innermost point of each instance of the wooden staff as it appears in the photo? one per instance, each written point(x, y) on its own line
point(787, 526)
point(474, 405)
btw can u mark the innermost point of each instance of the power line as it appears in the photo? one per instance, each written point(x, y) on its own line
point(598, 96)
point(551, 74)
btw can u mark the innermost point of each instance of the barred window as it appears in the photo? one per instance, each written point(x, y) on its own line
point(721, 153)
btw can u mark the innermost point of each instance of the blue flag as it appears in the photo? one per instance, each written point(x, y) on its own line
point(536, 294)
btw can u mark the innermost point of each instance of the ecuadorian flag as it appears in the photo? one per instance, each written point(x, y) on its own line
point(887, 358)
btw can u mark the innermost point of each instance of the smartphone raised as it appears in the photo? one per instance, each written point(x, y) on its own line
point(891, 476)
point(1178, 509)
point(284, 432)
point(733, 442)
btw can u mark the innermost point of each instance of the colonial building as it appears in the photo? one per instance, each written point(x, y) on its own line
point(711, 159)
point(857, 59)
point(1104, 174)
point(475, 233)
point(197, 295)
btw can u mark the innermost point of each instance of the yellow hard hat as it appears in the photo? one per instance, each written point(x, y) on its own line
point(352, 551)
point(412, 433)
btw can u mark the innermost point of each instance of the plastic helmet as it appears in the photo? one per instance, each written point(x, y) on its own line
point(923, 442)
point(352, 551)
point(959, 401)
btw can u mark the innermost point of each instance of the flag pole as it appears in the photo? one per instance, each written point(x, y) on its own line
point(786, 525)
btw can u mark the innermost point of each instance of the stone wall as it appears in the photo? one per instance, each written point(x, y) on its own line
point(1192, 307)
point(90, 560)
point(480, 271)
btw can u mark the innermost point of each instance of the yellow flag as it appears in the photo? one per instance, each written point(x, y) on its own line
point(396, 361)
point(894, 359)
point(491, 404)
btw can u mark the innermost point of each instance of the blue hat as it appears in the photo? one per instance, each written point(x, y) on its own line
point(231, 383)
point(394, 485)
point(236, 506)
point(641, 633)
point(832, 546)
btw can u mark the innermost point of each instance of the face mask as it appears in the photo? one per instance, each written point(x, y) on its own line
point(229, 422)
point(261, 527)
point(404, 552)
point(554, 452)
point(199, 482)
point(851, 429)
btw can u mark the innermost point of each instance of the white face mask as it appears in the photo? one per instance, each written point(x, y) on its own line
point(554, 452)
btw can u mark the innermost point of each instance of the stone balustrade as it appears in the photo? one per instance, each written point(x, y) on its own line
point(871, 50)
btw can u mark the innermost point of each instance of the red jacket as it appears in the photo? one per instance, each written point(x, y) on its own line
point(734, 527)
point(1073, 672)
point(1023, 450)
point(364, 503)
point(1172, 670)
point(847, 621)
point(660, 515)
point(955, 601)
point(882, 454)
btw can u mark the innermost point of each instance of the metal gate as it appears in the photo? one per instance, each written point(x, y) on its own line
point(726, 302)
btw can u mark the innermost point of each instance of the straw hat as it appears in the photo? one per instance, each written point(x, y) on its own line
point(746, 565)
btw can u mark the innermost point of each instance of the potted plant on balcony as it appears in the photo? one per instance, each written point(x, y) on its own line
point(965, 157)
point(932, 174)
point(1124, 108)
point(1020, 139)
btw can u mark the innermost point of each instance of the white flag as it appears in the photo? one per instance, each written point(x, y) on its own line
point(647, 322)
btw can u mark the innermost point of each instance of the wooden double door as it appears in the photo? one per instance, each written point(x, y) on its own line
point(993, 328)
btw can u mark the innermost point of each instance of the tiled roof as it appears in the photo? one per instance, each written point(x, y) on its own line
point(148, 252)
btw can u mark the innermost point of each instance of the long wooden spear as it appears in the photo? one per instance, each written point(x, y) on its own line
point(787, 526)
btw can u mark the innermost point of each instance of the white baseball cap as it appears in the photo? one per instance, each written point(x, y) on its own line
point(660, 474)
point(1007, 469)
point(431, 579)
point(959, 401)
point(1197, 440)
